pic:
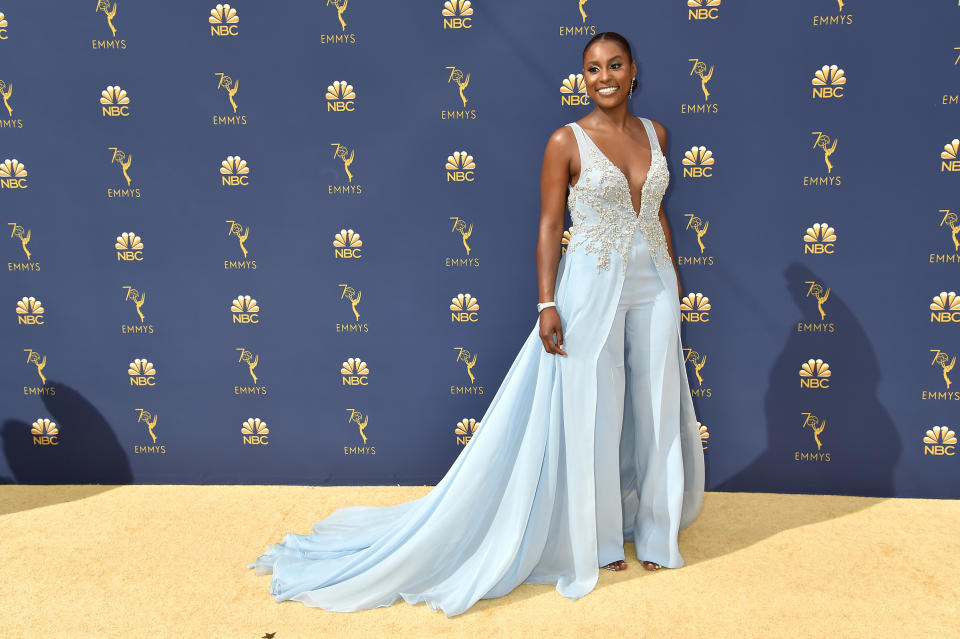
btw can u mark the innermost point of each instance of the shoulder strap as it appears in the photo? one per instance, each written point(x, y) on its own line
point(582, 142)
point(651, 135)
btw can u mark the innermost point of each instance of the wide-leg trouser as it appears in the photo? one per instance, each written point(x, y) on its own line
point(638, 378)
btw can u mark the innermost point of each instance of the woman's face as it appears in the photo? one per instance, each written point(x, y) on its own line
point(608, 73)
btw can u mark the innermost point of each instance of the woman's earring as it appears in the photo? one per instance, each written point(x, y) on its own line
point(631, 89)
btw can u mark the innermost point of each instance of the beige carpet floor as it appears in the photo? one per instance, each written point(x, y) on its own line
point(169, 561)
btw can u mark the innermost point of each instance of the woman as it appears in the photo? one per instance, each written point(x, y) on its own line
point(590, 440)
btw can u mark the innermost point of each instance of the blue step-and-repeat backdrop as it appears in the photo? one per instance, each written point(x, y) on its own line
point(294, 241)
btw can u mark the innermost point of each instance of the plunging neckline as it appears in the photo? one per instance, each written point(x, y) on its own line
point(623, 176)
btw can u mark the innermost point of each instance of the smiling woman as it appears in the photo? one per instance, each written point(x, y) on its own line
point(591, 439)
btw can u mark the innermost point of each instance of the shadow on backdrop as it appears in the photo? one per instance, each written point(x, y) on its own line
point(88, 452)
point(854, 422)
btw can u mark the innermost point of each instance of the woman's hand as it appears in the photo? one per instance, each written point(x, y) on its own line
point(550, 325)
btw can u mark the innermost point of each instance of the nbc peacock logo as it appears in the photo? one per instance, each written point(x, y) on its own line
point(695, 308)
point(698, 162)
point(457, 14)
point(828, 82)
point(460, 167)
point(361, 421)
point(114, 103)
point(255, 432)
point(940, 441)
point(703, 9)
point(949, 161)
point(816, 425)
point(704, 435)
point(815, 374)
point(129, 247)
point(347, 245)
point(44, 432)
point(30, 312)
point(945, 308)
point(341, 96)
point(573, 91)
point(819, 239)
point(697, 360)
point(565, 240)
point(245, 310)
point(142, 373)
point(354, 372)
point(224, 21)
point(465, 430)
point(234, 171)
point(464, 308)
point(3, 26)
point(13, 174)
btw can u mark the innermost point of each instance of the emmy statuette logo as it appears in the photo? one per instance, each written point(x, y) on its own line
point(234, 171)
point(255, 432)
point(819, 239)
point(358, 419)
point(695, 308)
point(249, 360)
point(339, 36)
point(828, 82)
point(6, 97)
point(457, 14)
point(245, 310)
point(124, 160)
point(242, 233)
point(13, 174)
point(22, 236)
point(352, 297)
point(819, 294)
point(816, 426)
point(469, 361)
point(580, 28)
point(30, 312)
point(828, 146)
point(223, 21)
point(573, 91)
point(460, 81)
point(39, 362)
point(465, 430)
point(698, 162)
point(945, 308)
point(149, 420)
point(951, 224)
point(230, 86)
point(700, 70)
point(137, 298)
point(698, 361)
point(347, 245)
point(45, 432)
point(345, 156)
point(815, 374)
point(464, 229)
point(841, 18)
point(109, 12)
point(698, 227)
point(940, 441)
point(946, 363)
point(142, 373)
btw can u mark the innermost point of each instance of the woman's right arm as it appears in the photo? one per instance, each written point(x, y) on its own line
point(554, 178)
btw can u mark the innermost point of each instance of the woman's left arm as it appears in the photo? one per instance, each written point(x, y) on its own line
point(662, 137)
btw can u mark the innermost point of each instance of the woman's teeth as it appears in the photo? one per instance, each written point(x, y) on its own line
point(607, 90)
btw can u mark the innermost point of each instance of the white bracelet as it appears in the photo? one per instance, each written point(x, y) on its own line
point(540, 307)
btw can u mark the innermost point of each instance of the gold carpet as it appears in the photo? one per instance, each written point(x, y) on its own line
point(170, 561)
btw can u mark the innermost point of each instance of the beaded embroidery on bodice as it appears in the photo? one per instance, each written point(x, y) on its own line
point(601, 206)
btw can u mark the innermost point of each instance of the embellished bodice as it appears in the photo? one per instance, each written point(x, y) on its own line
point(601, 207)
